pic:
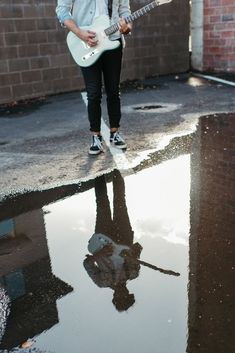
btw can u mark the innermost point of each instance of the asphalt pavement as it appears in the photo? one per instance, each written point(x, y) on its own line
point(44, 143)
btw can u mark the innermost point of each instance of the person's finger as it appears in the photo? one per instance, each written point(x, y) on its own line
point(91, 32)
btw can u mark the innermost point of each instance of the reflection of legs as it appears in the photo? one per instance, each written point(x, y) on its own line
point(123, 231)
point(104, 222)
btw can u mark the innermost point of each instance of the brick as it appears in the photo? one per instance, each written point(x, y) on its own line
point(2, 40)
point(11, 11)
point(15, 38)
point(56, 36)
point(228, 17)
point(46, 24)
point(18, 64)
point(60, 60)
point(214, 34)
point(227, 34)
point(49, 49)
point(209, 42)
point(42, 88)
point(28, 50)
point(210, 11)
point(5, 94)
point(64, 83)
point(34, 11)
point(209, 27)
point(22, 91)
point(70, 71)
point(215, 19)
point(9, 52)
point(3, 66)
point(227, 2)
point(31, 76)
point(24, 25)
point(50, 74)
point(229, 9)
point(215, 2)
point(9, 79)
point(50, 11)
point(220, 42)
point(7, 25)
point(219, 26)
point(62, 48)
point(36, 37)
point(39, 62)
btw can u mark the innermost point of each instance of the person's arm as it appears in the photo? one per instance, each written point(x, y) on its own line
point(63, 11)
point(124, 11)
point(88, 37)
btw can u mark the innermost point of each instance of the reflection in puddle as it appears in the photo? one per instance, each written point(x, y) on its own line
point(102, 285)
point(123, 290)
point(106, 270)
point(212, 247)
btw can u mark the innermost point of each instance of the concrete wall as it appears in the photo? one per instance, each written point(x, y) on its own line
point(34, 59)
point(196, 25)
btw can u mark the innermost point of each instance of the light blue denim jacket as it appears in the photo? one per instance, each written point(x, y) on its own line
point(83, 11)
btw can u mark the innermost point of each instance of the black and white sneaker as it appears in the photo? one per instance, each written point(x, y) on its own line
point(96, 146)
point(117, 140)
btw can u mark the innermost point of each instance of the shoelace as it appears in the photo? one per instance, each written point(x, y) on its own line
point(117, 137)
point(97, 142)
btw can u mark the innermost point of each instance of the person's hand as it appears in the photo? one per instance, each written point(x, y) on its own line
point(89, 37)
point(124, 28)
point(107, 250)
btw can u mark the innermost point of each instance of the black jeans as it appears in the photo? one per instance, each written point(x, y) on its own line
point(108, 65)
point(118, 227)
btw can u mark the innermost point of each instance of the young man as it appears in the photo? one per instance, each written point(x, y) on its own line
point(76, 13)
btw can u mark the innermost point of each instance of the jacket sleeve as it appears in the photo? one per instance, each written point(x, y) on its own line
point(63, 10)
point(124, 8)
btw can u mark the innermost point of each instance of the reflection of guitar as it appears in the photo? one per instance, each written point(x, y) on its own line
point(85, 55)
point(119, 252)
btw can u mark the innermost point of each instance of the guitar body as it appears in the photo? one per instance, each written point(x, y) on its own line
point(87, 56)
point(83, 54)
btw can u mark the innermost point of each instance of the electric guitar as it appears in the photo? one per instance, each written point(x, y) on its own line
point(84, 55)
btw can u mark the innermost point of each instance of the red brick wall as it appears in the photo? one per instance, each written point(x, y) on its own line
point(34, 58)
point(219, 35)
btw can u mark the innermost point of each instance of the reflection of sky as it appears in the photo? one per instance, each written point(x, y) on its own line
point(158, 206)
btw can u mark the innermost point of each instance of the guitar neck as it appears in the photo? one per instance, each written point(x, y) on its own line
point(145, 9)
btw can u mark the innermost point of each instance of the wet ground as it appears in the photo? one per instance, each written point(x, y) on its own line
point(46, 145)
point(135, 254)
point(135, 261)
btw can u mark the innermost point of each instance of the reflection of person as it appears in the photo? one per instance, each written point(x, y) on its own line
point(108, 65)
point(114, 255)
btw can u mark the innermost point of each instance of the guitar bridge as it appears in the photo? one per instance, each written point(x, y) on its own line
point(89, 55)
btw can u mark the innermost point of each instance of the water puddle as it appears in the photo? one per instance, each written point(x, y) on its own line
point(130, 263)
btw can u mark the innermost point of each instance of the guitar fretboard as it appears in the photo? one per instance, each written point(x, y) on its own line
point(145, 9)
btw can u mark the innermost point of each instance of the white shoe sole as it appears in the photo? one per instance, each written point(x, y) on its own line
point(95, 152)
point(121, 147)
